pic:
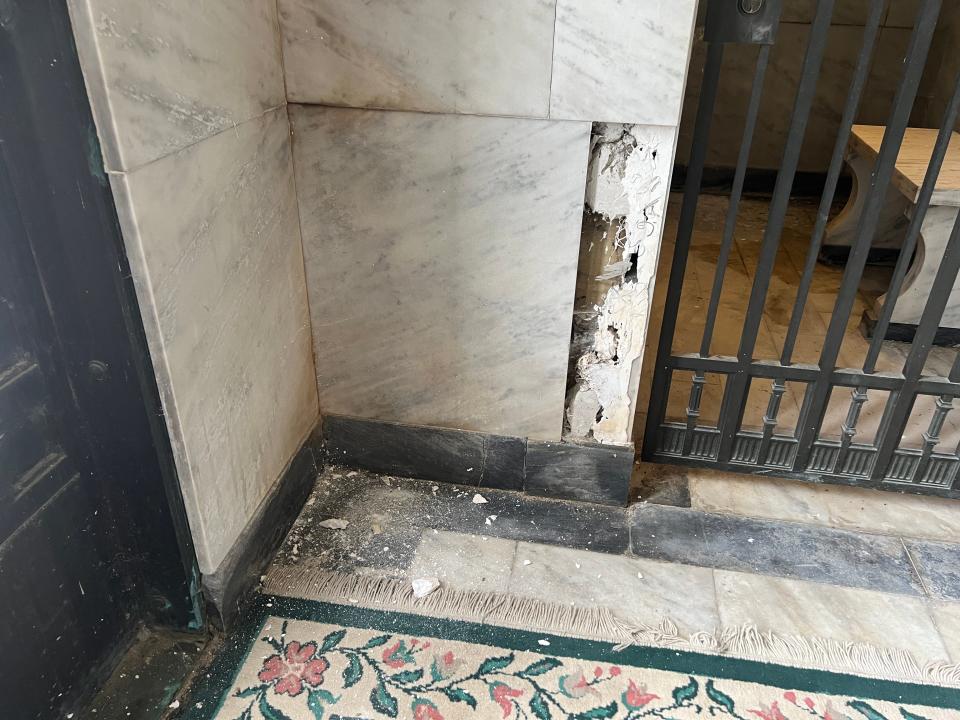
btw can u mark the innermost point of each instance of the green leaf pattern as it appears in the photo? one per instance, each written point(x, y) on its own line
point(426, 682)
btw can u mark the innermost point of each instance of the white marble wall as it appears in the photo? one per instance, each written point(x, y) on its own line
point(454, 56)
point(165, 74)
point(612, 60)
point(441, 256)
point(621, 60)
point(188, 99)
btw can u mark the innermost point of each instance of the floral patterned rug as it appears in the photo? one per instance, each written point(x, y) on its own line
point(305, 660)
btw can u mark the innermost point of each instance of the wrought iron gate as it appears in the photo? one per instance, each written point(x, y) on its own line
point(802, 450)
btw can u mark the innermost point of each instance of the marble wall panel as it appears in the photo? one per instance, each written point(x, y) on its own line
point(621, 61)
point(164, 75)
point(452, 56)
point(214, 244)
point(441, 255)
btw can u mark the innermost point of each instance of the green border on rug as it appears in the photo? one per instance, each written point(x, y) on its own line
point(208, 692)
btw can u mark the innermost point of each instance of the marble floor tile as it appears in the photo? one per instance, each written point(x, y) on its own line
point(635, 589)
point(388, 516)
point(596, 72)
point(164, 75)
point(947, 618)
point(441, 256)
point(464, 562)
point(447, 56)
point(851, 508)
point(793, 607)
point(766, 547)
point(939, 567)
point(223, 300)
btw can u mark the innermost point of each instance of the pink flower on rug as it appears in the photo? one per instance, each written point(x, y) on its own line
point(635, 697)
point(614, 671)
point(425, 710)
point(288, 674)
point(575, 685)
point(502, 694)
point(769, 713)
point(397, 655)
point(445, 666)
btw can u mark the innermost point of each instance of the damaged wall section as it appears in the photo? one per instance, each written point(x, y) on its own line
point(627, 188)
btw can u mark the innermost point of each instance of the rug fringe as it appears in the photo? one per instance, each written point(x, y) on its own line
point(470, 605)
point(602, 624)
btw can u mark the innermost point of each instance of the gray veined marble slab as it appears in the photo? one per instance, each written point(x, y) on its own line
point(489, 58)
point(163, 75)
point(441, 255)
point(215, 253)
point(621, 60)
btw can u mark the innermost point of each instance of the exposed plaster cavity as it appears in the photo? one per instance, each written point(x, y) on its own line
point(627, 189)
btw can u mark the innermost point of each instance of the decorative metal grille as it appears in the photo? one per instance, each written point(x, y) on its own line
point(802, 451)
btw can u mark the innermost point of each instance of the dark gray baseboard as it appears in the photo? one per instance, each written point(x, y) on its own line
point(227, 589)
point(590, 473)
point(837, 255)
point(902, 332)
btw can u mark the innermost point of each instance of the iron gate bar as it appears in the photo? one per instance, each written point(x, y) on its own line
point(753, 110)
point(735, 392)
point(893, 424)
point(855, 93)
point(857, 85)
point(859, 396)
point(843, 377)
point(932, 436)
point(916, 225)
point(818, 393)
point(802, 453)
point(688, 211)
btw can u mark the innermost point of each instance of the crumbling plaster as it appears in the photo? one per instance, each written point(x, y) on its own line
point(628, 183)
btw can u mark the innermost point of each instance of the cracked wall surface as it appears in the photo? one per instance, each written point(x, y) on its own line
point(627, 188)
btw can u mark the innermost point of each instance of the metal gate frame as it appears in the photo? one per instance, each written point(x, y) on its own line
point(802, 453)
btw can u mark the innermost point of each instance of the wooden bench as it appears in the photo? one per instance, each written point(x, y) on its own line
point(911, 168)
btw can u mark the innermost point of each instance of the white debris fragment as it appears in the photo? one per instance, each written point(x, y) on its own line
point(490, 519)
point(749, 540)
point(174, 705)
point(334, 524)
point(640, 575)
point(424, 586)
point(545, 643)
point(479, 499)
point(526, 562)
point(469, 469)
point(577, 565)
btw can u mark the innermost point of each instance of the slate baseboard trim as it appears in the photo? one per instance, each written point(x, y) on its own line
point(902, 332)
point(591, 473)
point(228, 589)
